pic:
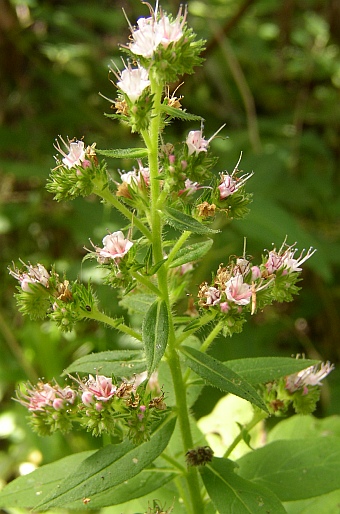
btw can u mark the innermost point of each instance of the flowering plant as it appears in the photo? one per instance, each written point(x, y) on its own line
point(142, 398)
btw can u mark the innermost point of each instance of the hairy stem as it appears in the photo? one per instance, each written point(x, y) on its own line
point(114, 323)
point(151, 139)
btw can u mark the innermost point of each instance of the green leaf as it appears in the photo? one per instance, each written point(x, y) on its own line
point(232, 494)
point(137, 302)
point(220, 376)
point(118, 363)
point(179, 113)
point(155, 332)
point(295, 469)
point(25, 491)
point(124, 153)
point(305, 426)
point(185, 223)
point(326, 503)
point(191, 253)
point(261, 370)
point(99, 475)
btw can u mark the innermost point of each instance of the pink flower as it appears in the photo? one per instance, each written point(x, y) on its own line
point(75, 155)
point(97, 389)
point(213, 296)
point(115, 247)
point(45, 395)
point(133, 82)
point(230, 185)
point(255, 273)
point(190, 187)
point(237, 291)
point(284, 258)
point(196, 142)
point(310, 376)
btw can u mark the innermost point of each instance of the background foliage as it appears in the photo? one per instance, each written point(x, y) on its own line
point(272, 74)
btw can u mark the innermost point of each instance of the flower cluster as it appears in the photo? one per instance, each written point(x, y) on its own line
point(242, 286)
point(166, 42)
point(98, 404)
point(300, 390)
point(78, 172)
point(44, 294)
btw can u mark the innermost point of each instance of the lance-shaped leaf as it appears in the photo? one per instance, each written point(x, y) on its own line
point(232, 494)
point(179, 113)
point(260, 370)
point(185, 223)
point(121, 363)
point(124, 153)
point(107, 469)
point(218, 375)
point(25, 491)
point(191, 253)
point(155, 332)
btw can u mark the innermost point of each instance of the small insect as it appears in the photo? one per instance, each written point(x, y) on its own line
point(86, 501)
point(88, 308)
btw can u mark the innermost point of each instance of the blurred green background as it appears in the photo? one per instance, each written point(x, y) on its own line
point(272, 74)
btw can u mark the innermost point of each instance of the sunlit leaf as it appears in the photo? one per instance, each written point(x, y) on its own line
point(295, 469)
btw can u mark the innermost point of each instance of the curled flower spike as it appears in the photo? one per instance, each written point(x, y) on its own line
point(152, 32)
point(45, 395)
point(196, 142)
point(133, 82)
point(310, 376)
point(75, 155)
point(284, 258)
point(34, 275)
point(115, 247)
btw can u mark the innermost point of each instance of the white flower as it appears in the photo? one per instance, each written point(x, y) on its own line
point(152, 33)
point(310, 376)
point(34, 275)
point(75, 155)
point(133, 82)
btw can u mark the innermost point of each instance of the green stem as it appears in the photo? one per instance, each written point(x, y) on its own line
point(212, 336)
point(103, 318)
point(147, 283)
point(178, 246)
point(258, 416)
point(151, 139)
point(106, 195)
